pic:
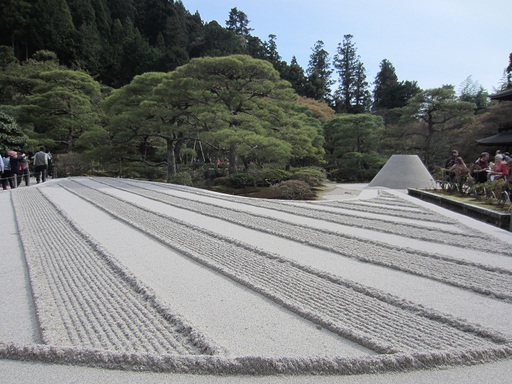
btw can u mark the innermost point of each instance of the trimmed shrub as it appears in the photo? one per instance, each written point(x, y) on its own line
point(223, 180)
point(293, 189)
point(274, 176)
point(310, 175)
point(139, 170)
point(182, 178)
point(241, 180)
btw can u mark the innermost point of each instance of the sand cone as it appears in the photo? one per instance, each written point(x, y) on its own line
point(402, 172)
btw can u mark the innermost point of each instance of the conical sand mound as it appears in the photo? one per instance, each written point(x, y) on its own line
point(402, 172)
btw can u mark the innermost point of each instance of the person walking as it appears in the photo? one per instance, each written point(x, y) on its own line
point(15, 159)
point(40, 162)
point(6, 177)
point(24, 170)
point(2, 170)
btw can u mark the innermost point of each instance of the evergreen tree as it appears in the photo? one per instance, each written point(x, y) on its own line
point(429, 119)
point(15, 19)
point(217, 41)
point(295, 75)
point(6, 57)
point(52, 28)
point(11, 136)
point(121, 9)
point(19, 80)
point(271, 53)
point(389, 93)
point(473, 92)
point(238, 22)
point(151, 18)
point(352, 95)
point(138, 125)
point(319, 82)
point(62, 107)
point(131, 54)
point(352, 144)
point(255, 47)
point(408, 90)
point(245, 109)
point(385, 93)
point(362, 95)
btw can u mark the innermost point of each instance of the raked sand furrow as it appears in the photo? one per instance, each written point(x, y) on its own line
point(495, 282)
point(337, 305)
point(457, 236)
point(387, 210)
point(81, 300)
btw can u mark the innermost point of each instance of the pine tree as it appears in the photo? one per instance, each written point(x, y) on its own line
point(389, 93)
point(15, 19)
point(271, 51)
point(238, 22)
point(352, 95)
point(319, 82)
point(11, 136)
point(385, 93)
point(295, 75)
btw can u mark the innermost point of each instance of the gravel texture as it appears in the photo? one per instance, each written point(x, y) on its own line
point(133, 275)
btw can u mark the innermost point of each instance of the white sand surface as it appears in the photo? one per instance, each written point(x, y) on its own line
point(109, 273)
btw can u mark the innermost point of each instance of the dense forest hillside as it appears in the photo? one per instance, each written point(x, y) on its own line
point(115, 40)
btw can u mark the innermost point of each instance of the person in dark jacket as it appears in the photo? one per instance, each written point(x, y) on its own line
point(15, 159)
point(481, 167)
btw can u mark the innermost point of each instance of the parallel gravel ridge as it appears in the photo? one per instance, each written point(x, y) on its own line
point(455, 236)
point(331, 302)
point(93, 312)
point(82, 298)
point(381, 207)
point(496, 282)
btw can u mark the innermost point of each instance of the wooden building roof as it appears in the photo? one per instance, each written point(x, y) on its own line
point(503, 95)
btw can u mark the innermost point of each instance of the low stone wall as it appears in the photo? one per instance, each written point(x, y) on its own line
point(498, 219)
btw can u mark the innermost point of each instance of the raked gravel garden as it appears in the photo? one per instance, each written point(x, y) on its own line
point(143, 278)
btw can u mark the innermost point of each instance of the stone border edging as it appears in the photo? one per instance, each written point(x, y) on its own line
point(498, 219)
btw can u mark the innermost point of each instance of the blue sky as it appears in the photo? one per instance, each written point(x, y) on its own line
point(433, 42)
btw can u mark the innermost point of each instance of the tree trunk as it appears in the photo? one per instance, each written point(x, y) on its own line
point(232, 159)
point(177, 159)
point(171, 159)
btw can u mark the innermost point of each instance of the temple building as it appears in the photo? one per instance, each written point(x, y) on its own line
point(504, 136)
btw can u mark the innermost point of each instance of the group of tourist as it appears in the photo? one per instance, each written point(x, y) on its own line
point(481, 170)
point(15, 167)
